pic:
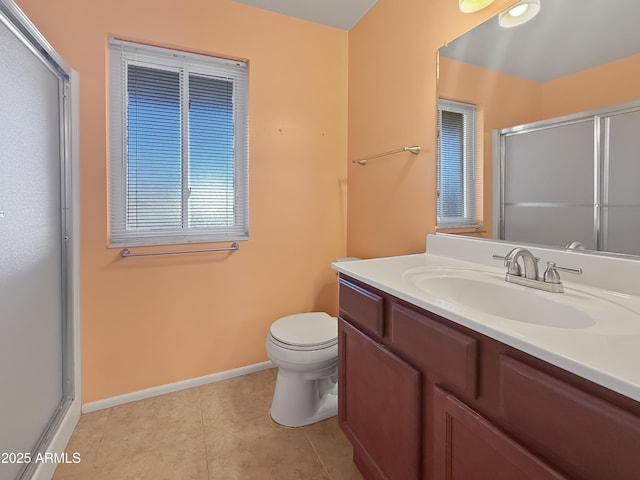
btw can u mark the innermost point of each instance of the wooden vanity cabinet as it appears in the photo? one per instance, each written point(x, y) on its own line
point(379, 407)
point(423, 398)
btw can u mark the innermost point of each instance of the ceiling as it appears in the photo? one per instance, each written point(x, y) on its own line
point(342, 14)
point(567, 36)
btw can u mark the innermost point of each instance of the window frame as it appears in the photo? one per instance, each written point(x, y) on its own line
point(470, 189)
point(123, 54)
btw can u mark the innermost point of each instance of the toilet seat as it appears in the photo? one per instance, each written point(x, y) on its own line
point(305, 331)
point(301, 348)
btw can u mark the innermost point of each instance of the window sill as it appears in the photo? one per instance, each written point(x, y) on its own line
point(476, 230)
point(168, 240)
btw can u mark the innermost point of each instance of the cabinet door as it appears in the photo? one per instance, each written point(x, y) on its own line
point(379, 407)
point(467, 446)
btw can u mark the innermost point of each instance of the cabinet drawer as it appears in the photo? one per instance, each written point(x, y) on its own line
point(582, 434)
point(433, 347)
point(362, 308)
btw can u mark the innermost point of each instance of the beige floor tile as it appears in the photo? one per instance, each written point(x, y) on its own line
point(182, 459)
point(239, 398)
point(155, 422)
point(157, 438)
point(333, 448)
point(220, 431)
point(85, 441)
point(261, 449)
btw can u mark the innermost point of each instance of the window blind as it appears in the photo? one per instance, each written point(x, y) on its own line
point(179, 147)
point(457, 201)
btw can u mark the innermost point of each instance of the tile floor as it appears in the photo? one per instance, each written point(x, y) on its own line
point(220, 431)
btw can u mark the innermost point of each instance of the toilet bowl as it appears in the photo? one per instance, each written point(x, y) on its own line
point(304, 347)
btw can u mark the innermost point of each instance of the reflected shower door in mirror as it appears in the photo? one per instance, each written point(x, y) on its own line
point(560, 63)
point(571, 179)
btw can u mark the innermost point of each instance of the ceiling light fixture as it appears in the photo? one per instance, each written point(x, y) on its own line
point(469, 6)
point(521, 12)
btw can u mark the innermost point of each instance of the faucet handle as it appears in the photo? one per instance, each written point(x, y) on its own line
point(551, 274)
point(575, 245)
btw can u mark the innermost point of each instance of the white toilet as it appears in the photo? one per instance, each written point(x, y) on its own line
point(304, 347)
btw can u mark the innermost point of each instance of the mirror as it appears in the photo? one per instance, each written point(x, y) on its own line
point(572, 57)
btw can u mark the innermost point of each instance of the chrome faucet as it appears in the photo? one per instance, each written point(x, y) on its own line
point(527, 275)
point(529, 262)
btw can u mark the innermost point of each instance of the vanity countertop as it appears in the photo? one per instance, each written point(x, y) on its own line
point(607, 354)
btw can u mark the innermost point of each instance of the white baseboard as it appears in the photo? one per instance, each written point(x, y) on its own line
point(173, 387)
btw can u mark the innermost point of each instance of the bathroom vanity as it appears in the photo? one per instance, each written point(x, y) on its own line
point(433, 387)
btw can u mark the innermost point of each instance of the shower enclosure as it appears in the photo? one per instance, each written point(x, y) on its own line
point(572, 178)
point(39, 294)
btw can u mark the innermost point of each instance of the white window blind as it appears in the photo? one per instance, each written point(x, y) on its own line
point(457, 201)
point(179, 147)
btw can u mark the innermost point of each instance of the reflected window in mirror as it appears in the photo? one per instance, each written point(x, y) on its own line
point(457, 204)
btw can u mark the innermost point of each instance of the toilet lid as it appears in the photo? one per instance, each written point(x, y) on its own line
point(306, 329)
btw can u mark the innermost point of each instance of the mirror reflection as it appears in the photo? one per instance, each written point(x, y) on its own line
point(570, 72)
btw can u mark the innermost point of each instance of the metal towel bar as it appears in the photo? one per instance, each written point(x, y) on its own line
point(125, 252)
point(414, 149)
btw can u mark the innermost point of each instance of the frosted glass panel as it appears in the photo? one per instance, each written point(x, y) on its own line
point(550, 225)
point(624, 159)
point(623, 227)
point(31, 288)
point(560, 159)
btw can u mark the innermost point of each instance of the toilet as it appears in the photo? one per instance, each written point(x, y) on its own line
point(304, 347)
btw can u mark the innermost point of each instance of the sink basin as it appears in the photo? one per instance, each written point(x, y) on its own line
point(488, 293)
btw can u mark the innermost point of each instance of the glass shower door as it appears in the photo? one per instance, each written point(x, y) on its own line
point(34, 372)
point(548, 184)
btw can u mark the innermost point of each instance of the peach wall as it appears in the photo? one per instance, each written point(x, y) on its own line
point(513, 100)
point(155, 320)
point(608, 84)
point(392, 103)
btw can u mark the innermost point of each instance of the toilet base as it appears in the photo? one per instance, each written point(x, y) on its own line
point(298, 401)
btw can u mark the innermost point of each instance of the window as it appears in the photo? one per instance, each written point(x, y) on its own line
point(179, 147)
point(456, 183)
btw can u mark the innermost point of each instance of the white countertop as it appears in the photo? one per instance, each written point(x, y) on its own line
point(607, 356)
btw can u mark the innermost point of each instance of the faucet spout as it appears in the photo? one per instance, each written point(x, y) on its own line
point(529, 263)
